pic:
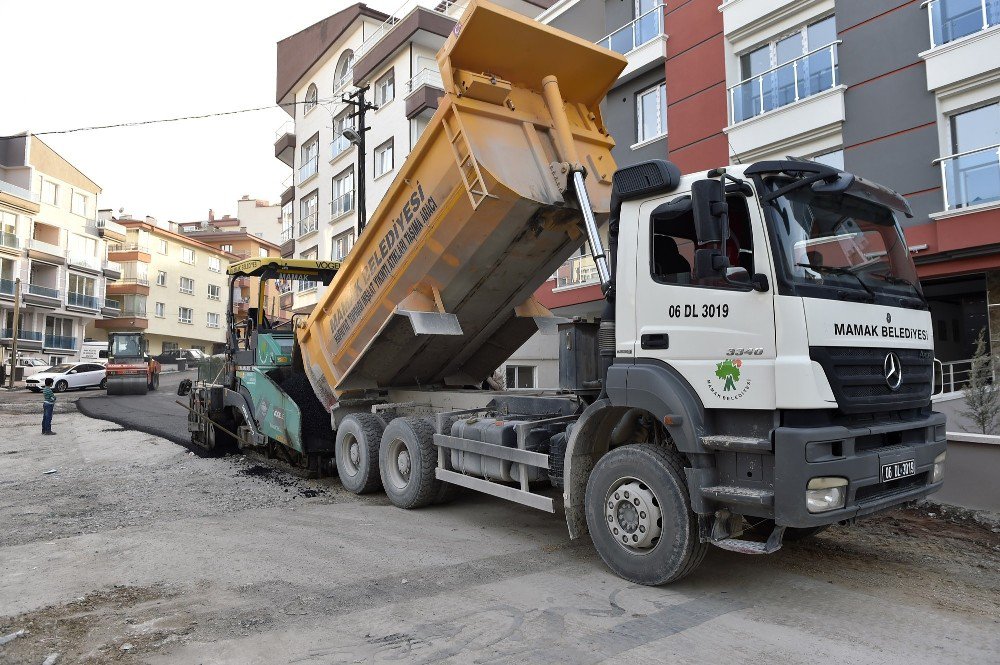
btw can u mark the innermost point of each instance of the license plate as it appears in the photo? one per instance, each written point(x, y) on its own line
point(898, 470)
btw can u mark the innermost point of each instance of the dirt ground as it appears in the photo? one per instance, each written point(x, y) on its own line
point(135, 551)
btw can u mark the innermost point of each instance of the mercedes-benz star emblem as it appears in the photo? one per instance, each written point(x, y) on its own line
point(893, 371)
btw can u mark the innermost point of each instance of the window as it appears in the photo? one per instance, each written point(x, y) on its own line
point(972, 173)
point(78, 203)
point(954, 19)
point(49, 192)
point(214, 264)
point(134, 305)
point(170, 346)
point(343, 194)
point(262, 252)
point(309, 156)
point(185, 314)
point(163, 246)
point(312, 96)
point(345, 71)
point(385, 89)
point(158, 309)
point(340, 123)
point(187, 255)
point(310, 255)
point(786, 70)
point(651, 107)
point(674, 241)
point(342, 244)
point(214, 292)
point(213, 320)
point(520, 376)
point(417, 127)
point(81, 292)
point(227, 248)
point(308, 214)
point(161, 278)
point(383, 158)
point(187, 285)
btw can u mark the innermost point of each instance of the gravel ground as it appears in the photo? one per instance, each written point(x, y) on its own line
point(137, 551)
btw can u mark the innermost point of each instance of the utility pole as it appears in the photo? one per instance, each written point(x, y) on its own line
point(357, 100)
point(14, 332)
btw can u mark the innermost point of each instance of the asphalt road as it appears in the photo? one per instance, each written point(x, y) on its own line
point(153, 413)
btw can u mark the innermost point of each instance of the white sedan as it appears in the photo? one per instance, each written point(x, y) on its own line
point(69, 375)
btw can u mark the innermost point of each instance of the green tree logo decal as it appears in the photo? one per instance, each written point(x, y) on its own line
point(729, 371)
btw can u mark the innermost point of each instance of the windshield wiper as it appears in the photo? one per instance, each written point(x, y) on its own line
point(834, 270)
point(892, 279)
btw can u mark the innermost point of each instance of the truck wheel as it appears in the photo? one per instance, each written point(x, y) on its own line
point(356, 451)
point(640, 516)
point(407, 459)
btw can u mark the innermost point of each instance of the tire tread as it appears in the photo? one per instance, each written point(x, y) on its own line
point(371, 429)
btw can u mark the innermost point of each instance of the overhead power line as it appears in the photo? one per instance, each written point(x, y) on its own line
point(139, 123)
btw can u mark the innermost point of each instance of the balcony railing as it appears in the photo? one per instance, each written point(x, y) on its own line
point(342, 205)
point(19, 192)
point(46, 247)
point(339, 145)
point(287, 127)
point(449, 8)
point(113, 266)
point(287, 233)
point(807, 75)
point(141, 281)
point(43, 291)
point(631, 36)
point(113, 227)
point(309, 224)
point(91, 262)
point(308, 169)
point(7, 287)
point(128, 247)
point(954, 19)
point(26, 335)
point(341, 84)
point(59, 342)
point(133, 313)
point(112, 304)
point(971, 178)
point(577, 271)
point(9, 240)
point(425, 76)
point(82, 300)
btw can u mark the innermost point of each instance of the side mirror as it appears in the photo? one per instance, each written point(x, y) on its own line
point(710, 264)
point(711, 212)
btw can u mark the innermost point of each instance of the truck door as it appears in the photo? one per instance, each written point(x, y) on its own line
point(719, 336)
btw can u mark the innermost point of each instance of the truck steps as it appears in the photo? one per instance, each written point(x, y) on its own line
point(742, 495)
point(736, 444)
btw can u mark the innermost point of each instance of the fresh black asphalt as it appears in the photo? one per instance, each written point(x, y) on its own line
point(154, 413)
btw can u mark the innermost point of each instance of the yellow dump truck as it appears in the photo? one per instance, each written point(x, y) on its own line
point(735, 391)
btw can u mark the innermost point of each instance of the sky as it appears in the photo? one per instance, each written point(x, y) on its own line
point(98, 62)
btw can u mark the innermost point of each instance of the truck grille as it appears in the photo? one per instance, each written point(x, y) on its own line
point(857, 377)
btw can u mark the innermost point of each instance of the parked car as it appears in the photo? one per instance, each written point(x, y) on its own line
point(33, 366)
point(171, 357)
point(69, 375)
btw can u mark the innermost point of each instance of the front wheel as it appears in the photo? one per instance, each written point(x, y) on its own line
point(639, 515)
point(104, 384)
point(61, 386)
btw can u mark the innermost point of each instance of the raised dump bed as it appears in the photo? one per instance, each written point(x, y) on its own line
point(438, 289)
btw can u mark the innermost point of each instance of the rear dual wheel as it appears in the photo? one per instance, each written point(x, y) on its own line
point(356, 452)
point(407, 459)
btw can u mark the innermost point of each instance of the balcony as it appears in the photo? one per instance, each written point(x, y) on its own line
point(954, 19)
point(430, 23)
point(26, 339)
point(339, 146)
point(785, 84)
point(39, 249)
point(10, 243)
point(308, 225)
point(341, 205)
point(287, 245)
point(59, 342)
point(127, 319)
point(577, 271)
point(44, 296)
point(87, 263)
point(82, 301)
point(964, 41)
point(6, 288)
point(971, 178)
point(130, 286)
point(111, 308)
point(423, 92)
point(19, 192)
point(129, 251)
point(284, 143)
point(112, 269)
point(308, 170)
point(446, 8)
point(643, 42)
point(341, 84)
point(111, 230)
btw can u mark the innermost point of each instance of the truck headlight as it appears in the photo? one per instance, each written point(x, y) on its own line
point(937, 475)
point(825, 494)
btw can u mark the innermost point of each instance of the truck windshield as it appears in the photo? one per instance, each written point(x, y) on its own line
point(841, 243)
point(125, 346)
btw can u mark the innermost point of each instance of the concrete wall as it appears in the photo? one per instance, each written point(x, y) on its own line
point(622, 120)
point(541, 352)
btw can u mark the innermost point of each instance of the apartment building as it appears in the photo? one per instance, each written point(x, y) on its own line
point(239, 243)
point(260, 218)
point(172, 286)
point(393, 54)
point(51, 240)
